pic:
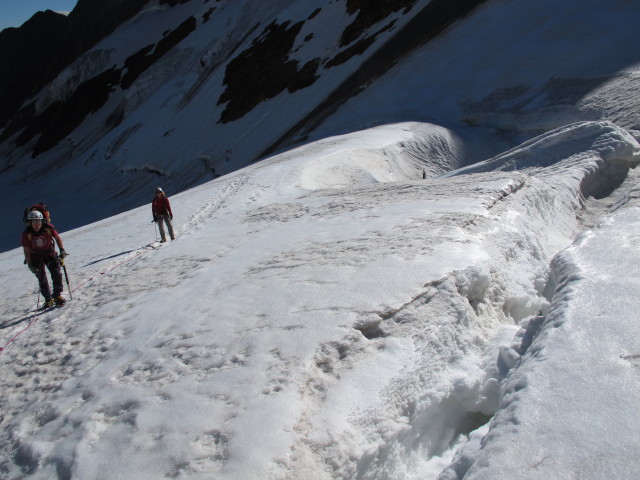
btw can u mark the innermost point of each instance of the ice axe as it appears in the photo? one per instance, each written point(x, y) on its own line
point(66, 277)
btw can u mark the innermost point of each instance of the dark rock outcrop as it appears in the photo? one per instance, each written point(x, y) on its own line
point(61, 117)
point(427, 24)
point(370, 12)
point(35, 53)
point(264, 70)
point(142, 60)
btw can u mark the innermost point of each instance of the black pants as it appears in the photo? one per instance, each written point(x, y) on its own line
point(52, 262)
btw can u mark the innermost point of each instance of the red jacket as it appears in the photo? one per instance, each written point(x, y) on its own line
point(39, 243)
point(160, 206)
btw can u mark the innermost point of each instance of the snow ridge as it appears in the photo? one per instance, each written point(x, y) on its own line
point(314, 324)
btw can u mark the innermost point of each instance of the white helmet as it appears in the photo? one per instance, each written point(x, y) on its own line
point(34, 215)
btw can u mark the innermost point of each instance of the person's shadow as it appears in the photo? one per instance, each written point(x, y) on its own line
point(17, 320)
point(108, 258)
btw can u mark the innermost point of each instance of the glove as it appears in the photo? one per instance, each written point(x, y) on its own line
point(63, 254)
point(171, 217)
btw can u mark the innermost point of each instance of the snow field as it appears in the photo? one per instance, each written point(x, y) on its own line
point(306, 323)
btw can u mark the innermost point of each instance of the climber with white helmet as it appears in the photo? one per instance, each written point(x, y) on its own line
point(38, 241)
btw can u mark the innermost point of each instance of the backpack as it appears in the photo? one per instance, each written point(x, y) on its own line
point(42, 208)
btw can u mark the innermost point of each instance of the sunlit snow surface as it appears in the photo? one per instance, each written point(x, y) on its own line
point(503, 74)
point(327, 313)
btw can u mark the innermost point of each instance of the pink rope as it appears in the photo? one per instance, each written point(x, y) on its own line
point(32, 320)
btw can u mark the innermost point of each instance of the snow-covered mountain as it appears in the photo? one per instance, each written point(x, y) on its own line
point(437, 282)
point(184, 91)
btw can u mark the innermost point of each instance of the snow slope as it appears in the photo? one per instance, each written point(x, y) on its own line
point(585, 425)
point(327, 313)
point(508, 71)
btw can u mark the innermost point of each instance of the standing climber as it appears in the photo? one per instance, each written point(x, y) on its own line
point(39, 241)
point(161, 209)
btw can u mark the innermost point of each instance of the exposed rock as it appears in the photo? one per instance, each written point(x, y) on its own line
point(357, 48)
point(172, 3)
point(31, 56)
point(264, 70)
point(61, 117)
point(370, 12)
point(427, 24)
point(140, 61)
point(35, 53)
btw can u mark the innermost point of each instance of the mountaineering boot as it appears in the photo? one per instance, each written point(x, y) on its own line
point(48, 303)
point(163, 240)
point(60, 300)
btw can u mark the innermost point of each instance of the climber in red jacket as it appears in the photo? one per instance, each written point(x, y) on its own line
point(161, 209)
point(39, 240)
